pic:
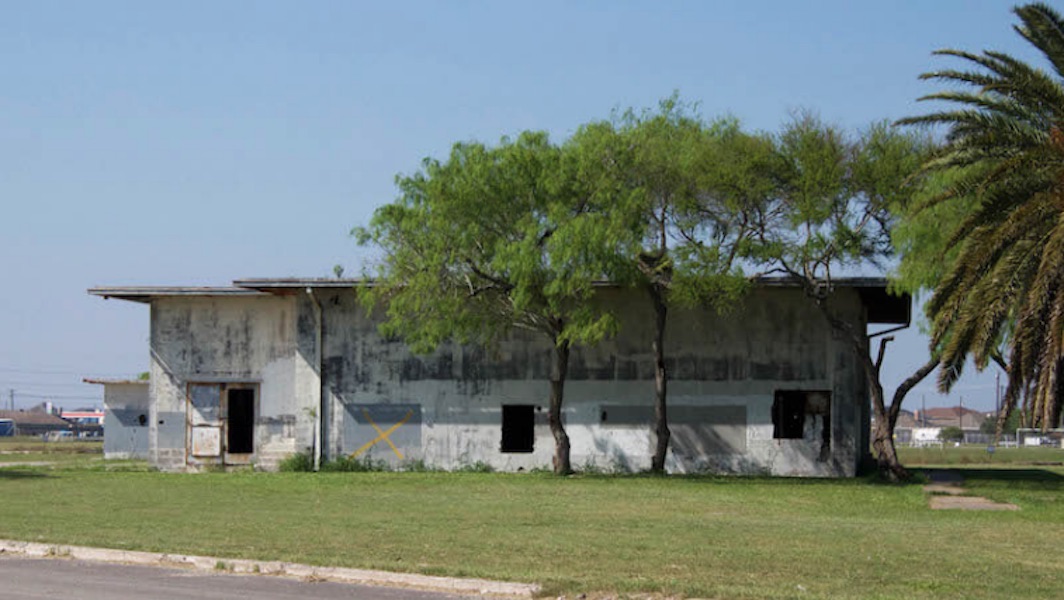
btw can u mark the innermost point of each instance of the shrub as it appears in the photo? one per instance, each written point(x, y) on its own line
point(951, 434)
point(477, 467)
point(365, 464)
point(418, 466)
point(301, 462)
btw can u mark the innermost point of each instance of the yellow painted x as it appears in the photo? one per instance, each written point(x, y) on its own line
point(382, 435)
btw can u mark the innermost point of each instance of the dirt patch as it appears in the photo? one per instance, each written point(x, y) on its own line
point(947, 493)
point(968, 503)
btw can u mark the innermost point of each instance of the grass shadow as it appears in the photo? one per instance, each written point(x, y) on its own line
point(19, 473)
point(1041, 479)
point(759, 480)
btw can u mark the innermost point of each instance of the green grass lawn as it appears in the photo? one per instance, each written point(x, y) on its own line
point(705, 537)
point(67, 452)
point(977, 455)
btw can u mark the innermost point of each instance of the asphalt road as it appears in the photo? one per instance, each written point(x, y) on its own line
point(35, 578)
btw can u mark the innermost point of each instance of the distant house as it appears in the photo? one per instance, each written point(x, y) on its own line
point(923, 427)
point(951, 416)
point(29, 422)
point(247, 374)
point(125, 412)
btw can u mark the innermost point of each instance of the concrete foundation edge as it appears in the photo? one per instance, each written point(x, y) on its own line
point(452, 585)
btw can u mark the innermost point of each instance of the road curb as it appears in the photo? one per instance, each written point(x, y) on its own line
point(452, 585)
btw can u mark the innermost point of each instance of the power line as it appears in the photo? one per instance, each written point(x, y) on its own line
point(80, 373)
point(36, 371)
point(56, 396)
point(13, 383)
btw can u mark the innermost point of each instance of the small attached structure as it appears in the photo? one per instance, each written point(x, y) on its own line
point(251, 373)
point(126, 406)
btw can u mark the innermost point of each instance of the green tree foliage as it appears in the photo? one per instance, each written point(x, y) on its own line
point(1011, 424)
point(678, 199)
point(922, 234)
point(1004, 150)
point(951, 434)
point(485, 242)
point(834, 211)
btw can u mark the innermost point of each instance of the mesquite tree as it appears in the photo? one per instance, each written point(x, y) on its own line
point(834, 212)
point(483, 243)
point(681, 206)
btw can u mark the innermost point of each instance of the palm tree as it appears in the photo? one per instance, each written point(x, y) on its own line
point(1004, 147)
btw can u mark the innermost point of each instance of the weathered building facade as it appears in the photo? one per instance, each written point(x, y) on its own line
point(252, 373)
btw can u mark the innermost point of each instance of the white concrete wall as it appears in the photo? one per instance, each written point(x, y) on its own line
point(230, 340)
point(776, 341)
point(720, 366)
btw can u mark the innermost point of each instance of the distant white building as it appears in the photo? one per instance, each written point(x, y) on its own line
point(83, 417)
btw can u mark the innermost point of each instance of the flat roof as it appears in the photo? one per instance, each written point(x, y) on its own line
point(883, 307)
point(287, 283)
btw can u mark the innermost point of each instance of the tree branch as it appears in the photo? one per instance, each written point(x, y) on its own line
point(882, 350)
point(906, 386)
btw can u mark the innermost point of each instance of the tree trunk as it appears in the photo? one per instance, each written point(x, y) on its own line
point(887, 418)
point(661, 381)
point(1053, 399)
point(559, 371)
point(886, 456)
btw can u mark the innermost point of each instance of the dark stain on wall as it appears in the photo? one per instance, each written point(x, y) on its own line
point(522, 363)
point(417, 368)
point(627, 370)
point(478, 365)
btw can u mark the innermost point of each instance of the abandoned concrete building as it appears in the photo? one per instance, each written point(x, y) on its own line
point(249, 374)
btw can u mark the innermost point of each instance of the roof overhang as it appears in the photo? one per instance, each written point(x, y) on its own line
point(883, 306)
point(146, 294)
point(107, 381)
point(287, 285)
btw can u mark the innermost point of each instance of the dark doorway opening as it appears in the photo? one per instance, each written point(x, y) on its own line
point(240, 438)
point(788, 415)
point(518, 427)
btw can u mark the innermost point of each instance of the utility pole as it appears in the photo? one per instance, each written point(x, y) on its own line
point(960, 414)
point(11, 397)
point(997, 394)
point(923, 410)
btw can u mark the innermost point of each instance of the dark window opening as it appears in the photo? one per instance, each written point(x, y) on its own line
point(788, 415)
point(518, 427)
point(241, 422)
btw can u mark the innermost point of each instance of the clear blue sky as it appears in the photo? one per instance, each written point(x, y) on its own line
point(199, 142)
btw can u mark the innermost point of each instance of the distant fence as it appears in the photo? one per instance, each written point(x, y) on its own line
point(905, 437)
point(1053, 438)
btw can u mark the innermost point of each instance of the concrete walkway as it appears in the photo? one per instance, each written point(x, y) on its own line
point(947, 493)
point(451, 585)
point(25, 578)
